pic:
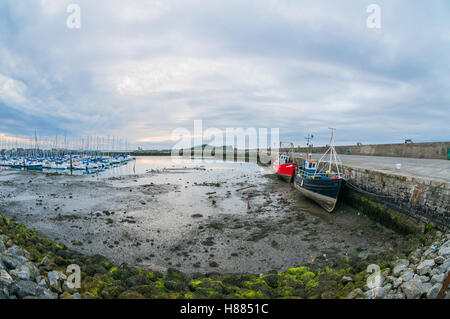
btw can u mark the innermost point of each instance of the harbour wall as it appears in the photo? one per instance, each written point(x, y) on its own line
point(412, 201)
point(436, 150)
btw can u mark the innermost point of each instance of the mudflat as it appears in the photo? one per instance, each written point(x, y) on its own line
point(198, 218)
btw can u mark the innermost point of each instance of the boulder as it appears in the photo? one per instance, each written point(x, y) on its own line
point(444, 252)
point(15, 251)
point(23, 272)
point(407, 275)
point(425, 266)
point(397, 282)
point(53, 280)
point(446, 244)
point(445, 267)
point(356, 294)
point(375, 293)
point(40, 280)
point(414, 257)
point(25, 288)
point(346, 279)
point(438, 279)
point(412, 289)
point(47, 294)
point(5, 278)
point(65, 287)
point(9, 262)
point(439, 260)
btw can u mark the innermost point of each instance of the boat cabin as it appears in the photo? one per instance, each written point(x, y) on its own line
point(284, 159)
point(310, 167)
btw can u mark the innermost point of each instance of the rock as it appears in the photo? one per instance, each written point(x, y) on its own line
point(346, 279)
point(40, 280)
point(407, 275)
point(412, 289)
point(439, 260)
point(435, 271)
point(438, 278)
point(387, 287)
point(376, 293)
point(446, 244)
point(424, 278)
point(47, 294)
point(414, 257)
point(15, 251)
point(399, 266)
point(444, 252)
point(9, 262)
point(445, 267)
point(426, 287)
point(425, 266)
point(3, 295)
point(433, 292)
point(356, 294)
point(5, 278)
point(397, 282)
point(66, 287)
point(2, 247)
point(22, 273)
point(53, 280)
point(26, 288)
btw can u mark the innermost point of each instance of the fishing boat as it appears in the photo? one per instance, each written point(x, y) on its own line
point(284, 165)
point(321, 180)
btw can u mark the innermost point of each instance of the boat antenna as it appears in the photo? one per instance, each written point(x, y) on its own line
point(309, 144)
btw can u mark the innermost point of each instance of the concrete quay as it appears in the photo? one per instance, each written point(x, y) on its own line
point(416, 191)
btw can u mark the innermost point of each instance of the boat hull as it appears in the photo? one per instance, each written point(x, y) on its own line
point(324, 192)
point(286, 171)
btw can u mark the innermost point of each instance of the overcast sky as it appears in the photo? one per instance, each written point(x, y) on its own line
point(140, 68)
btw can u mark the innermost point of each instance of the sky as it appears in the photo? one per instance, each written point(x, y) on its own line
point(139, 69)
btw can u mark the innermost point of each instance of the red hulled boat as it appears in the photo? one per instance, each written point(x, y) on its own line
point(285, 167)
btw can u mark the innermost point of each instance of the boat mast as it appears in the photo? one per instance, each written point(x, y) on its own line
point(309, 144)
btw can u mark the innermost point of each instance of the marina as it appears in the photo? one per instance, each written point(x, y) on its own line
point(66, 163)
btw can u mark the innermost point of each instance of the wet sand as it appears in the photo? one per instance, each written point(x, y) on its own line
point(191, 217)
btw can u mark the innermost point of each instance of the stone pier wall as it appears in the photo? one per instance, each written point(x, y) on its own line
point(422, 200)
point(436, 150)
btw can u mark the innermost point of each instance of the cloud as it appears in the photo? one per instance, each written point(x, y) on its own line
point(139, 69)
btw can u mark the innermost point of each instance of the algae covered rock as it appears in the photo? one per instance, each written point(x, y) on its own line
point(131, 295)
